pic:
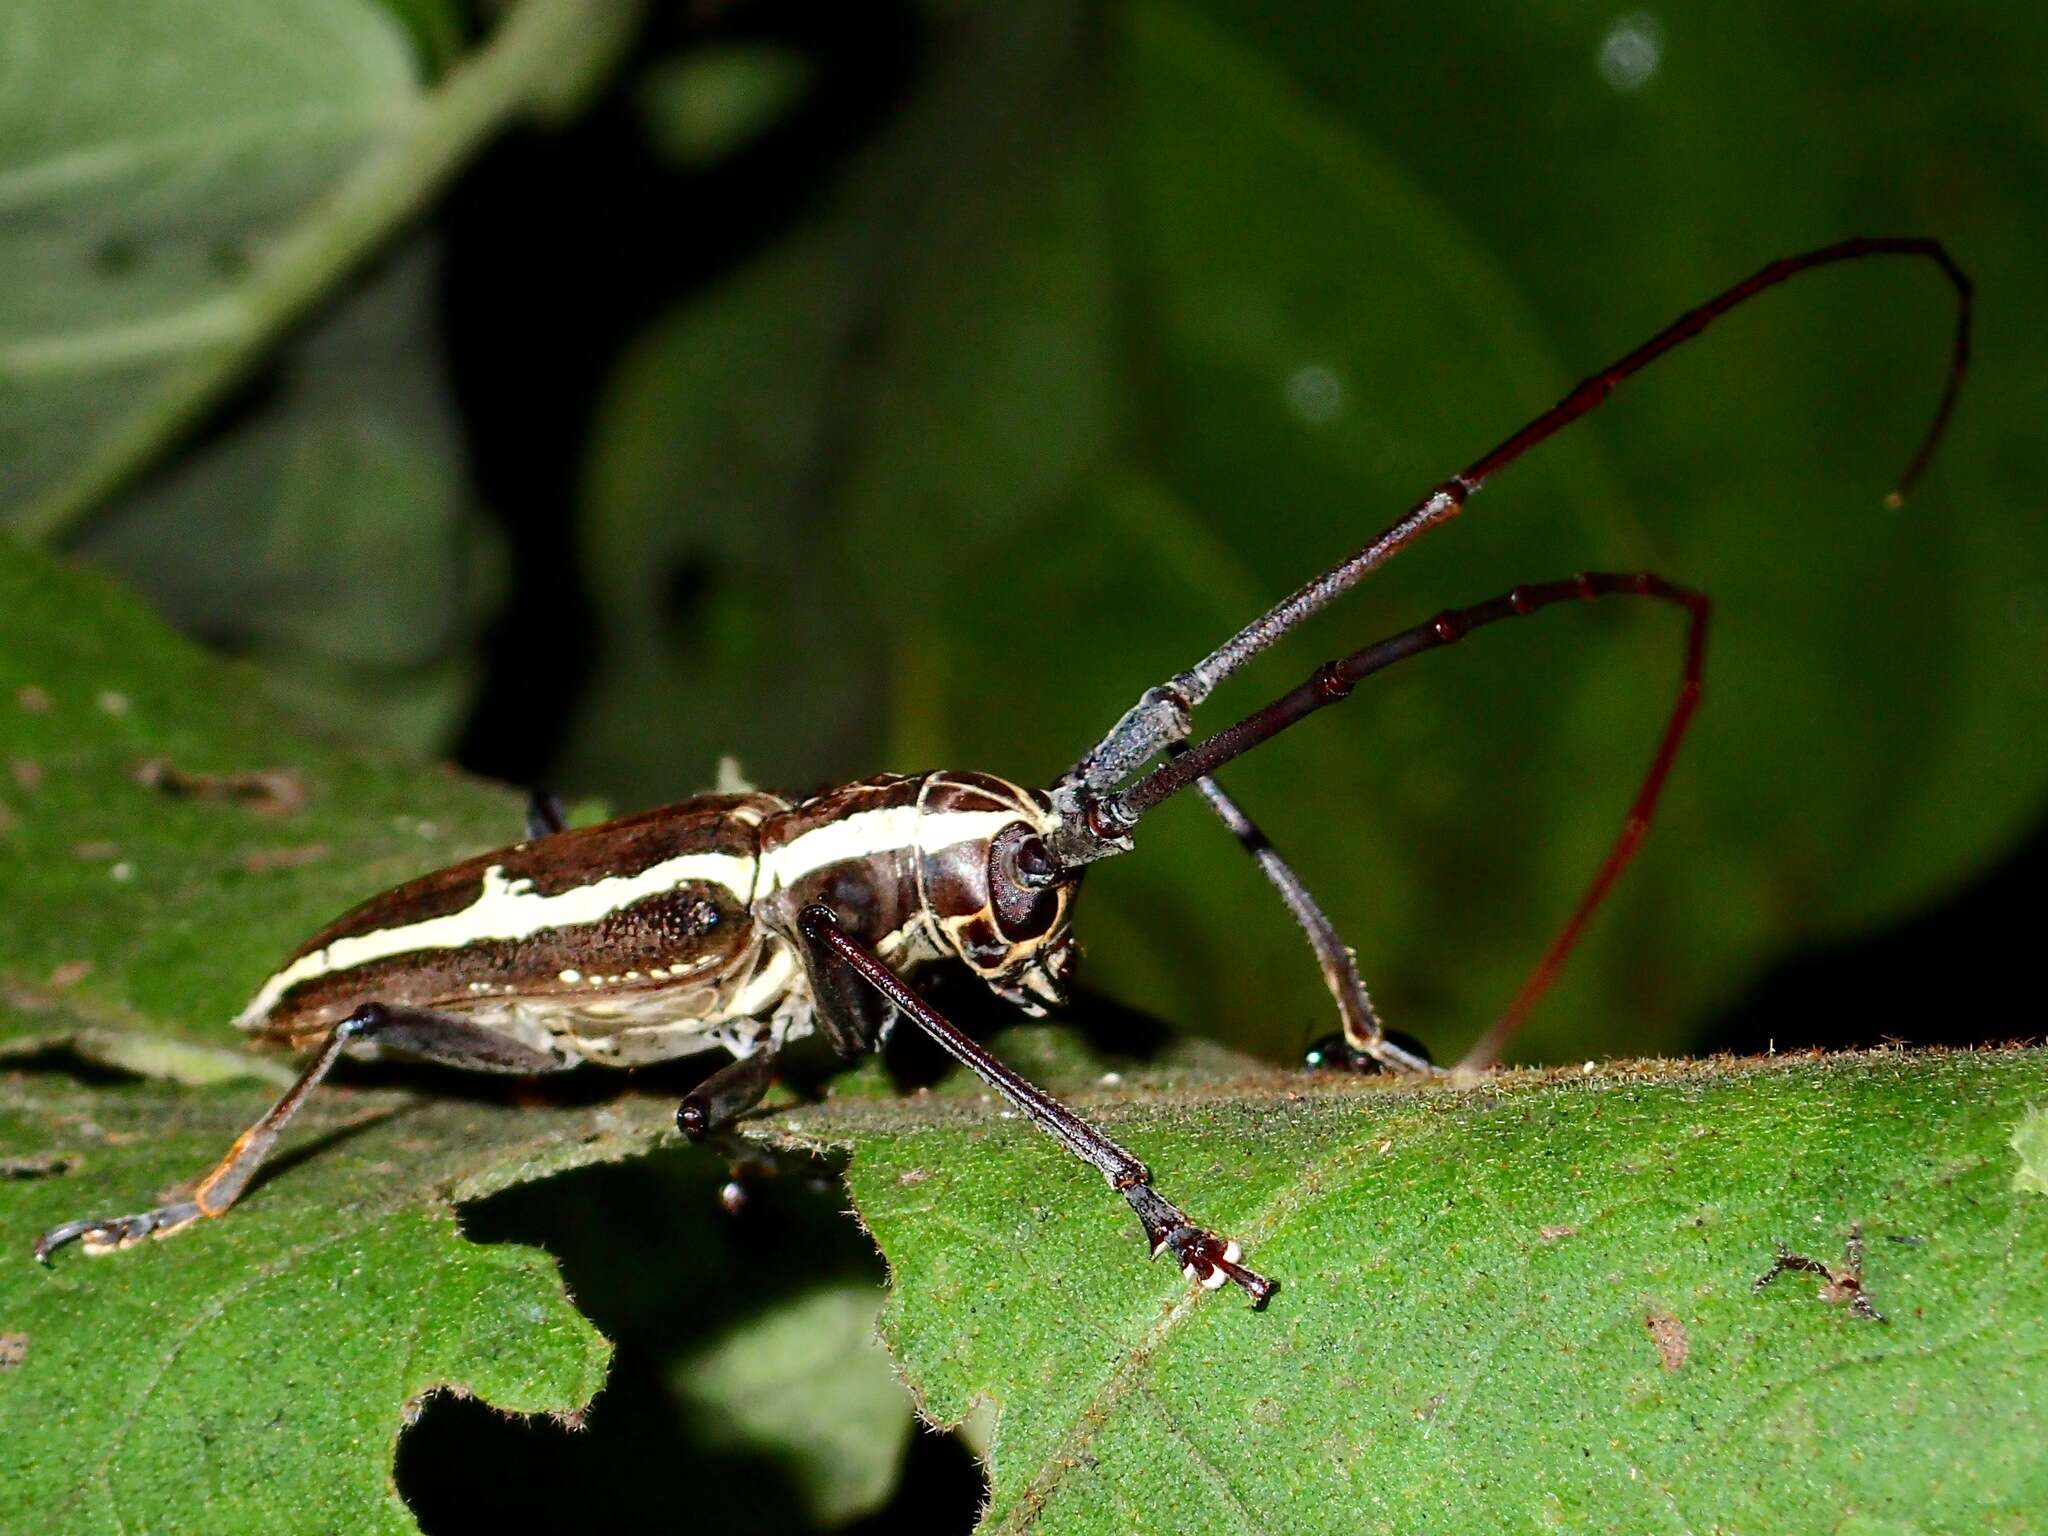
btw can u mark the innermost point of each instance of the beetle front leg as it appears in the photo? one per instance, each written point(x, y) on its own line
point(429, 1036)
point(1204, 1256)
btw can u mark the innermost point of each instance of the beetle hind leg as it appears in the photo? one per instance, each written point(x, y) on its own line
point(430, 1036)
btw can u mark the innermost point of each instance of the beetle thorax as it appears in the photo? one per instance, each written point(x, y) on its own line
point(942, 865)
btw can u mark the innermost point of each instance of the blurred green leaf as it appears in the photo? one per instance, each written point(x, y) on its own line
point(168, 225)
point(725, 632)
point(1524, 1308)
point(139, 199)
point(1136, 322)
point(702, 107)
point(436, 27)
point(810, 1385)
point(331, 536)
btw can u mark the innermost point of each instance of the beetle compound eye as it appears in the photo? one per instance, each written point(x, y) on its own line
point(1035, 866)
point(1020, 876)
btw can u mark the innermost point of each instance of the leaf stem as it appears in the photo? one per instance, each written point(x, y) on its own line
point(374, 200)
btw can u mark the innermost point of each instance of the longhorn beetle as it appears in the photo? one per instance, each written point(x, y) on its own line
point(745, 920)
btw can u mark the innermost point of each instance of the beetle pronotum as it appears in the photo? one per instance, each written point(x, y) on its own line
point(744, 920)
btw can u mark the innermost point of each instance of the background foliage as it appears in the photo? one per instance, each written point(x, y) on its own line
point(589, 393)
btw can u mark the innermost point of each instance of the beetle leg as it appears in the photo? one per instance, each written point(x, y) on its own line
point(1363, 1031)
point(850, 1014)
point(725, 1095)
point(429, 1036)
point(1203, 1255)
point(544, 814)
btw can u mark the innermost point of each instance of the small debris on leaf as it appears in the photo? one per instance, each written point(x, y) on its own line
point(1668, 1333)
point(266, 792)
point(1838, 1285)
point(32, 699)
point(35, 1165)
point(13, 1350)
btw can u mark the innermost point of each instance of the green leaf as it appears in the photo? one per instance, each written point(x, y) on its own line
point(810, 1384)
point(1525, 1306)
point(702, 549)
point(2030, 1141)
point(168, 227)
point(141, 200)
point(331, 536)
point(1526, 1301)
point(259, 1379)
point(705, 106)
point(436, 27)
point(165, 835)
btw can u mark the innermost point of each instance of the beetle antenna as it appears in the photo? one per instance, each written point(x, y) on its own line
point(1335, 680)
point(1114, 815)
point(1161, 714)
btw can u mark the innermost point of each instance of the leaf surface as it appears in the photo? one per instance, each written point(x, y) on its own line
point(1525, 1306)
point(259, 1378)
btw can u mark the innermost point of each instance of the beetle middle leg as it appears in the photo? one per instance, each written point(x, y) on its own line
point(850, 1015)
point(725, 1095)
point(1203, 1255)
point(430, 1037)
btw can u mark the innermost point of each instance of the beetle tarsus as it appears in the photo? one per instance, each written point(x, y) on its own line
point(1204, 1257)
point(110, 1236)
point(1392, 1051)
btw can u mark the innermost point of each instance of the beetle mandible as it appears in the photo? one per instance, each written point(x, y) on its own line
point(744, 920)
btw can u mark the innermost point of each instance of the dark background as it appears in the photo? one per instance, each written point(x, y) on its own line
point(879, 388)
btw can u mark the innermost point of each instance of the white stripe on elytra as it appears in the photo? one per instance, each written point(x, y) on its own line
point(506, 910)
